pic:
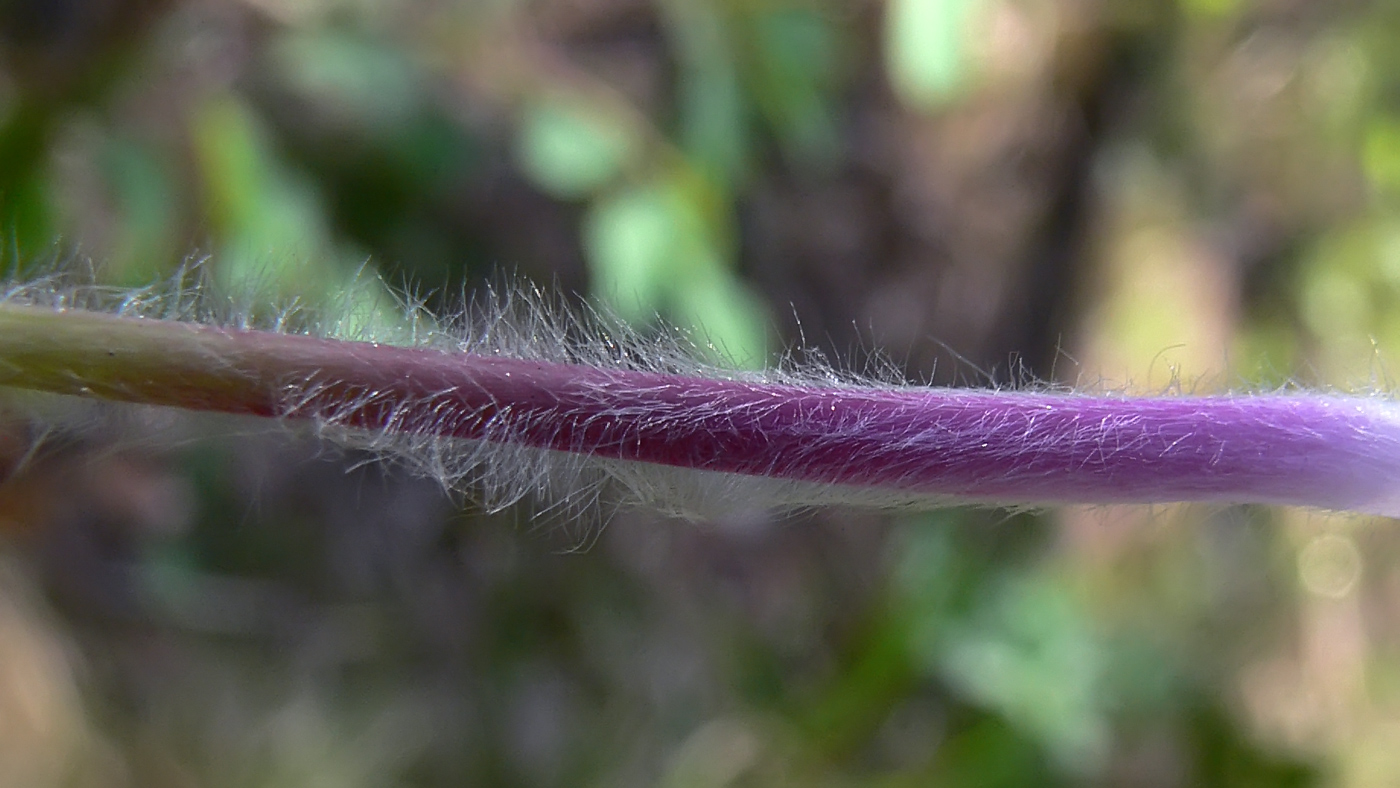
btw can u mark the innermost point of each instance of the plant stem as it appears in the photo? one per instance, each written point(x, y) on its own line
point(988, 446)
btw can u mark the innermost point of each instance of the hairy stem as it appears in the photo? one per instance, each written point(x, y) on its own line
point(989, 446)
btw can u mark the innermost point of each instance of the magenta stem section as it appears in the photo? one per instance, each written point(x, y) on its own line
point(1002, 447)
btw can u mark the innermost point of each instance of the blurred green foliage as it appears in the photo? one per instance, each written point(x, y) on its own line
point(926, 49)
point(1159, 194)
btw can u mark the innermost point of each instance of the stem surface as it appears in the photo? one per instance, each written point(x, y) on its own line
point(1002, 447)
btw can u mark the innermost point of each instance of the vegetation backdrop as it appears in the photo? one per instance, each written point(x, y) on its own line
point(1153, 195)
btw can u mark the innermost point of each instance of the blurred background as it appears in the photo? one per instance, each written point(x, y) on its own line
point(1151, 195)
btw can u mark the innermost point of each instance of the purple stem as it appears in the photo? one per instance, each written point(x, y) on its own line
point(1001, 447)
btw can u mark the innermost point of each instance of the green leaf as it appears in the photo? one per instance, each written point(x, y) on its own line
point(727, 315)
point(1028, 653)
point(270, 223)
point(651, 250)
point(629, 239)
point(1380, 154)
point(148, 204)
point(713, 112)
point(795, 75)
point(926, 49)
point(568, 150)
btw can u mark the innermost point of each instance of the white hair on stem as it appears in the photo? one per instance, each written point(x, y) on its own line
point(518, 396)
point(510, 318)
